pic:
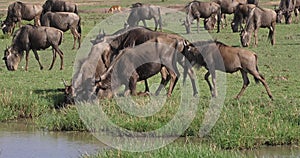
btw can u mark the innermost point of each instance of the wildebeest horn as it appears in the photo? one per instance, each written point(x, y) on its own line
point(65, 83)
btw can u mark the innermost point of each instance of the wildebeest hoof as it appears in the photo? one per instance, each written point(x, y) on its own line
point(143, 94)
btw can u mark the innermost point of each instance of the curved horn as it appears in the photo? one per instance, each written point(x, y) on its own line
point(65, 83)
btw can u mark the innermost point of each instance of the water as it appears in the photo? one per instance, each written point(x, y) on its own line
point(24, 140)
point(284, 151)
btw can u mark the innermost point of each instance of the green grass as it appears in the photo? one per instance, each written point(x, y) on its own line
point(183, 150)
point(250, 122)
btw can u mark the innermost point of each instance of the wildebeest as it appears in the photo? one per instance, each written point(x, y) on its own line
point(142, 13)
point(129, 38)
point(241, 13)
point(197, 10)
point(229, 6)
point(140, 63)
point(286, 7)
point(59, 6)
point(64, 21)
point(259, 17)
point(285, 10)
point(33, 38)
point(18, 11)
point(219, 56)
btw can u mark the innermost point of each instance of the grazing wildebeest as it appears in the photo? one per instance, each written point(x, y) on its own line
point(197, 10)
point(259, 17)
point(285, 10)
point(142, 13)
point(127, 39)
point(18, 11)
point(59, 6)
point(241, 13)
point(140, 63)
point(64, 21)
point(33, 38)
point(219, 56)
point(286, 7)
point(228, 6)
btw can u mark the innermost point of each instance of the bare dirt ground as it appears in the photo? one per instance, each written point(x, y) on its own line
point(102, 6)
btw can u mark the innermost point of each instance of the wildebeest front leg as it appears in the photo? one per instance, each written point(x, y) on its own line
point(255, 38)
point(26, 57)
point(188, 70)
point(211, 88)
point(132, 84)
point(144, 22)
point(165, 78)
point(245, 83)
point(174, 74)
point(37, 21)
point(198, 20)
point(156, 24)
point(37, 58)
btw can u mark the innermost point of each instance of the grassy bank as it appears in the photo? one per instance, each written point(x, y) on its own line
point(250, 122)
point(184, 150)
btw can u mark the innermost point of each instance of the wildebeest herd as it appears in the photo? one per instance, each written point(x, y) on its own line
point(136, 53)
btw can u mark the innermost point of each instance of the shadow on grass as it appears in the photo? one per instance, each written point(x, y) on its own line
point(55, 95)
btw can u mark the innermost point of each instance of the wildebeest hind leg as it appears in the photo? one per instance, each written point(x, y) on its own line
point(263, 81)
point(61, 55)
point(245, 83)
point(53, 59)
point(37, 58)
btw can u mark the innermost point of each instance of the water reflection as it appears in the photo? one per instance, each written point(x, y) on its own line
point(24, 140)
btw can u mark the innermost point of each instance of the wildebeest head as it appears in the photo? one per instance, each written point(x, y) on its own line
point(279, 17)
point(210, 23)
point(245, 38)
point(69, 93)
point(47, 6)
point(11, 58)
point(7, 27)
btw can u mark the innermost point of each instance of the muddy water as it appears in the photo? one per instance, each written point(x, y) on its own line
point(274, 152)
point(24, 140)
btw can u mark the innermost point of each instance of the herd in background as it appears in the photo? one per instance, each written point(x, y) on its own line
point(121, 50)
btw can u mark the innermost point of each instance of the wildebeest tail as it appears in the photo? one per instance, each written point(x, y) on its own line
point(76, 9)
point(61, 37)
point(79, 26)
point(256, 67)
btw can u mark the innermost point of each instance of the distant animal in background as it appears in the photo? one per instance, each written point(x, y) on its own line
point(114, 8)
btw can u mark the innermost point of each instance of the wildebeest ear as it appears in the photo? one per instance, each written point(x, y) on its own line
point(4, 58)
